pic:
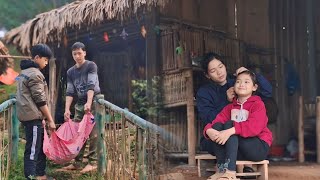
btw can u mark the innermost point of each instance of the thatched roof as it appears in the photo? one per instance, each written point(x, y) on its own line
point(4, 62)
point(51, 26)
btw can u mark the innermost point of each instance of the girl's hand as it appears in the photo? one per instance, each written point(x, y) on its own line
point(224, 135)
point(212, 133)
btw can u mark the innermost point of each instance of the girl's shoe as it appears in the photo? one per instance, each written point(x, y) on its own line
point(216, 176)
point(228, 176)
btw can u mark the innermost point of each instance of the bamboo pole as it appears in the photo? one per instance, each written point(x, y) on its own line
point(17, 57)
point(318, 127)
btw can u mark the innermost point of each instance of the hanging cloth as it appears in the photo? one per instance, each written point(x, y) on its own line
point(65, 144)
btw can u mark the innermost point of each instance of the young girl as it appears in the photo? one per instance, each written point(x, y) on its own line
point(240, 129)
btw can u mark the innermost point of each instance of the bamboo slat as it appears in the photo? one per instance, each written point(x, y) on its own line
point(174, 86)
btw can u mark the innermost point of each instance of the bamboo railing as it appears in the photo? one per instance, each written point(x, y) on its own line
point(128, 146)
point(9, 136)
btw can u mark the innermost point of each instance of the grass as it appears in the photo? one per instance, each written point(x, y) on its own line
point(16, 171)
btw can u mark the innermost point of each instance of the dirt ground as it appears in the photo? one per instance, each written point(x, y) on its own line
point(277, 171)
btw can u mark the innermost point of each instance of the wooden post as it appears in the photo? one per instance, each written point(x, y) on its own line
point(52, 87)
point(15, 134)
point(318, 128)
point(190, 117)
point(142, 152)
point(100, 118)
point(301, 130)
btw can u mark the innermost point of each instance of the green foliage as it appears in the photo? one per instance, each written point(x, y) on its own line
point(139, 96)
point(8, 89)
point(16, 170)
point(15, 12)
point(146, 103)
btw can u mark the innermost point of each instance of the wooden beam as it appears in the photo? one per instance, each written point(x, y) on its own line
point(191, 119)
point(301, 131)
point(318, 127)
point(16, 57)
point(52, 87)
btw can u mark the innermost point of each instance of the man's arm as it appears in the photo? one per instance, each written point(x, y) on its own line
point(37, 89)
point(69, 95)
point(87, 106)
point(92, 81)
point(67, 113)
point(45, 111)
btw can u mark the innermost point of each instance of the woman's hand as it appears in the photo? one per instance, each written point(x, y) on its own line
point(224, 135)
point(239, 70)
point(230, 94)
point(212, 133)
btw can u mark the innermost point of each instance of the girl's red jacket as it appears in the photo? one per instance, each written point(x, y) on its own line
point(249, 119)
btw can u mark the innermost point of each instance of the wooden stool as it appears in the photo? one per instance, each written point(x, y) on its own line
point(200, 157)
point(262, 169)
point(262, 166)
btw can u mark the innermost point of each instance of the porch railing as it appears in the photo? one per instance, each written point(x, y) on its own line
point(128, 146)
point(9, 136)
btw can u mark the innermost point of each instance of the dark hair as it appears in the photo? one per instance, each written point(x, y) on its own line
point(207, 58)
point(251, 74)
point(41, 50)
point(78, 45)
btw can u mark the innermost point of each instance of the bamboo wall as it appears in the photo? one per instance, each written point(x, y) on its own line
point(253, 35)
point(115, 77)
point(288, 21)
point(265, 34)
point(195, 42)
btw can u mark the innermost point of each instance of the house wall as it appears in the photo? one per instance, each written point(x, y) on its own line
point(209, 13)
point(270, 31)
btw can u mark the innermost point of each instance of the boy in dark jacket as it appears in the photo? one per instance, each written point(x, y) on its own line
point(32, 109)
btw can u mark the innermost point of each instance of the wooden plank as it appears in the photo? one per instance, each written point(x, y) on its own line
point(264, 172)
point(52, 87)
point(252, 162)
point(191, 118)
point(205, 156)
point(318, 127)
point(301, 131)
point(249, 174)
point(16, 57)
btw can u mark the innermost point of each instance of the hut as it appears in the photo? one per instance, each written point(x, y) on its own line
point(139, 39)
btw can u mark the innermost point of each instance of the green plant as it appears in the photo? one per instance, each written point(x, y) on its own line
point(6, 91)
point(146, 102)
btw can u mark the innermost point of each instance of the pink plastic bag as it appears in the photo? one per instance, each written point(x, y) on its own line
point(66, 143)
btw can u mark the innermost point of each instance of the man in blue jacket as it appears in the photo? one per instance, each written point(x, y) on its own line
point(214, 96)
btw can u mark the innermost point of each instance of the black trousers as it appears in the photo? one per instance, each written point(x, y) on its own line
point(34, 158)
point(238, 148)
